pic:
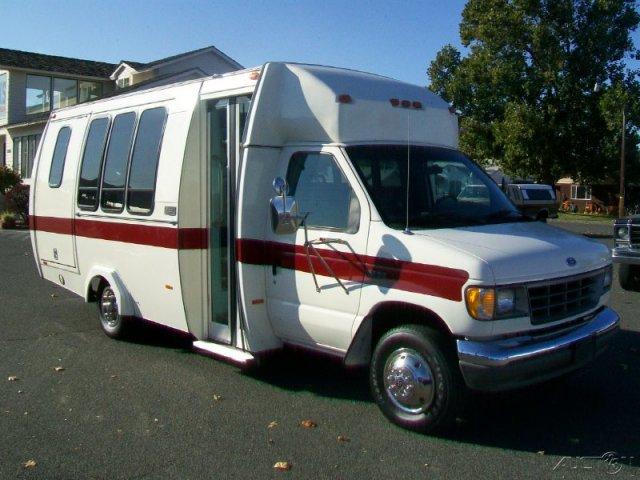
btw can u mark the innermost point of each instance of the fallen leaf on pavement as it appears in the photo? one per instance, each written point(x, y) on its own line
point(53, 295)
point(58, 369)
point(308, 424)
point(272, 425)
point(12, 378)
point(541, 452)
point(624, 366)
point(29, 464)
point(217, 398)
point(342, 438)
point(282, 466)
point(574, 440)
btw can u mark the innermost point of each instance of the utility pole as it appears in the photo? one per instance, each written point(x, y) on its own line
point(621, 211)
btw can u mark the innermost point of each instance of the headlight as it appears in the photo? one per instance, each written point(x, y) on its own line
point(622, 234)
point(496, 303)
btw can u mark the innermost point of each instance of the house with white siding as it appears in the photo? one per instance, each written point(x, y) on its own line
point(34, 84)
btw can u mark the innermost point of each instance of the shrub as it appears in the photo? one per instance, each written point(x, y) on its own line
point(7, 220)
point(18, 201)
point(8, 179)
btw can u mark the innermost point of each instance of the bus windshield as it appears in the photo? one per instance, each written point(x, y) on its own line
point(446, 189)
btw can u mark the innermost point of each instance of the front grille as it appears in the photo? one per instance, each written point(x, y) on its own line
point(635, 234)
point(565, 297)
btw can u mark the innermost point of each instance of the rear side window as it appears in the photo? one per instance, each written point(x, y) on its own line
point(92, 164)
point(59, 157)
point(116, 162)
point(141, 186)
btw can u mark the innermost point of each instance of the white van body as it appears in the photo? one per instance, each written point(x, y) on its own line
point(194, 249)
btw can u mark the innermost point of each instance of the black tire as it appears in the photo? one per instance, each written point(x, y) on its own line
point(112, 323)
point(443, 393)
point(629, 277)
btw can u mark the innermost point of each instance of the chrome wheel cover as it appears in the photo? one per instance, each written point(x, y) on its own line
point(408, 381)
point(109, 309)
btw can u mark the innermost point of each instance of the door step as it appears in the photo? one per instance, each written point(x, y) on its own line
point(226, 352)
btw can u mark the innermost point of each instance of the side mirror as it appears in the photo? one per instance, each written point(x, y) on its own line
point(284, 211)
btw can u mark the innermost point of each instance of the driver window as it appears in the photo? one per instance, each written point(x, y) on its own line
point(321, 189)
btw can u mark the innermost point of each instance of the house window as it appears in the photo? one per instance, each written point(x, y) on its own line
point(580, 192)
point(38, 94)
point(24, 151)
point(123, 82)
point(89, 91)
point(65, 92)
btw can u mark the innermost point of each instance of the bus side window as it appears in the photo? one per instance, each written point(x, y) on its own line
point(116, 162)
point(92, 164)
point(59, 157)
point(141, 185)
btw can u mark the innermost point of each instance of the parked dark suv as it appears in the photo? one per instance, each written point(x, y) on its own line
point(626, 251)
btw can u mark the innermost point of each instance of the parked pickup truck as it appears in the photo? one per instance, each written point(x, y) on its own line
point(626, 251)
point(534, 200)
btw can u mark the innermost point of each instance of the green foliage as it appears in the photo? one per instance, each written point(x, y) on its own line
point(18, 201)
point(7, 220)
point(524, 89)
point(8, 179)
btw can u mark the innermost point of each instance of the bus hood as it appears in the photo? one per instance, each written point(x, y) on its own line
point(525, 251)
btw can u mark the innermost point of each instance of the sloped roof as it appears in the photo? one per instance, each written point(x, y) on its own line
point(144, 66)
point(55, 64)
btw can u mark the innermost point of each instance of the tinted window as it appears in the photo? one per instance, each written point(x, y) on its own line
point(59, 156)
point(144, 162)
point(92, 164)
point(539, 194)
point(321, 189)
point(445, 188)
point(116, 162)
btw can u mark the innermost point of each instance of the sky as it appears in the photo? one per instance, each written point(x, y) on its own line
point(389, 37)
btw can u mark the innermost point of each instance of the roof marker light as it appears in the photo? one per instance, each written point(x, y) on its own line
point(405, 103)
point(394, 102)
point(343, 98)
point(417, 105)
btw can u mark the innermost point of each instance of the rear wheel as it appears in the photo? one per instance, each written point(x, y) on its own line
point(629, 276)
point(110, 319)
point(414, 379)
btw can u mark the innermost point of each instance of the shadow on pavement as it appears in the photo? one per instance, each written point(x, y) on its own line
point(588, 413)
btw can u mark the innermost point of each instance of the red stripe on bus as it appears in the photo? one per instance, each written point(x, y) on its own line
point(152, 235)
point(414, 277)
point(384, 272)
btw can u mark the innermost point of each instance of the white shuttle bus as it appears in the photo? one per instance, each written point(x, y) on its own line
point(322, 208)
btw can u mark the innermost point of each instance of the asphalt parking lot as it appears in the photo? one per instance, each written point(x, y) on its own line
point(85, 406)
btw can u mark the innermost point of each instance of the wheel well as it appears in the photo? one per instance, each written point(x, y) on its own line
point(96, 284)
point(386, 316)
point(394, 314)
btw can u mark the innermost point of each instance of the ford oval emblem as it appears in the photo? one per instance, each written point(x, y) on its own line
point(571, 261)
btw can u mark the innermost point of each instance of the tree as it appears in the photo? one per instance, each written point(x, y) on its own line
point(524, 89)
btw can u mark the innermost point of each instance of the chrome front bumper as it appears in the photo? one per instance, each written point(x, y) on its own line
point(515, 362)
point(626, 255)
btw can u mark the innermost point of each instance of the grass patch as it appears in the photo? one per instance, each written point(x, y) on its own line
point(581, 217)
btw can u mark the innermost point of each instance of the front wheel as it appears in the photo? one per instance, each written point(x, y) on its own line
point(414, 380)
point(629, 276)
point(110, 319)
